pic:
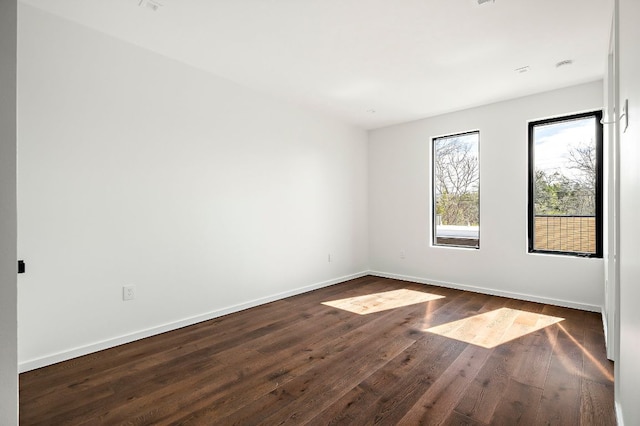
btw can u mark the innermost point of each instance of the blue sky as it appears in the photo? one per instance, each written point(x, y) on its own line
point(553, 142)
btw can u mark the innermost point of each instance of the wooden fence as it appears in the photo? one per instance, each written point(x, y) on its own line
point(565, 233)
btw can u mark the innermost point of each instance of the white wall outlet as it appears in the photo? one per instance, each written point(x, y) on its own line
point(402, 254)
point(129, 292)
point(329, 257)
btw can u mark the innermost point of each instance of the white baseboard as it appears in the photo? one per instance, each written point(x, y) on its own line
point(32, 364)
point(619, 414)
point(491, 291)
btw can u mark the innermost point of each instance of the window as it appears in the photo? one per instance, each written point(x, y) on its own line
point(456, 190)
point(565, 185)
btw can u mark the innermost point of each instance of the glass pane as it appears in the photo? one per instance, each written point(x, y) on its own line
point(565, 186)
point(456, 190)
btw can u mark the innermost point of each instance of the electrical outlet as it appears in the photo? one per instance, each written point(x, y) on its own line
point(329, 257)
point(402, 254)
point(128, 292)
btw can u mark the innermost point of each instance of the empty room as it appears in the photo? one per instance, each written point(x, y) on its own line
point(319, 212)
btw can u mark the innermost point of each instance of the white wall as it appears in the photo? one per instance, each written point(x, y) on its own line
point(400, 210)
point(137, 169)
point(627, 366)
point(8, 291)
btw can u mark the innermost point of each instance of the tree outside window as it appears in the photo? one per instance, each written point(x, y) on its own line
point(456, 189)
point(565, 197)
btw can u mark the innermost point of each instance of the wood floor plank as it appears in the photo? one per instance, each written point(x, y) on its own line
point(518, 405)
point(294, 362)
point(439, 400)
point(562, 387)
point(425, 362)
point(596, 366)
point(596, 405)
point(299, 361)
point(385, 396)
point(219, 330)
point(244, 361)
point(457, 306)
point(328, 381)
point(529, 357)
point(329, 385)
point(242, 319)
point(131, 387)
point(459, 419)
point(486, 391)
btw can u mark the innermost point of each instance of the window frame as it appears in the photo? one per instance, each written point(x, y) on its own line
point(599, 201)
point(434, 242)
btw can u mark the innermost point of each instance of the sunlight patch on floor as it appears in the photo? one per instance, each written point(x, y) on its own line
point(495, 327)
point(377, 302)
point(589, 356)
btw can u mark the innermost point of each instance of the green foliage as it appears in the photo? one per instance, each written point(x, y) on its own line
point(458, 209)
point(558, 195)
point(456, 181)
point(574, 195)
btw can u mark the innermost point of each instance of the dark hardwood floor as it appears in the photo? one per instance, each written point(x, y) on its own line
point(298, 361)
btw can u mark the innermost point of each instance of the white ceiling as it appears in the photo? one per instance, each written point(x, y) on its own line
point(404, 59)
